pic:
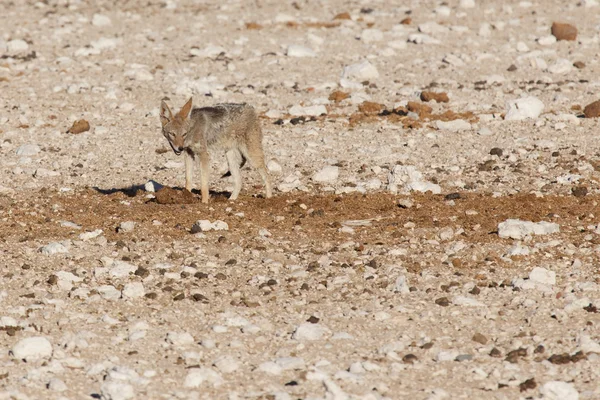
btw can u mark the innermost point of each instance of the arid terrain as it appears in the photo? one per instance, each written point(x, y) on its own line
point(435, 226)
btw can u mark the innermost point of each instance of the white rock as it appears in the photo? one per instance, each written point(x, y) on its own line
point(588, 345)
point(421, 38)
point(432, 27)
point(45, 173)
point(127, 226)
point(179, 338)
point(308, 331)
point(32, 349)
point(467, 4)
point(121, 269)
point(100, 20)
point(561, 66)
point(204, 225)
point(274, 167)
point(115, 390)
point(295, 50)
point(274, 114)
point(543, 276)
point(28, 150)
point(53, 248)
point(401, 285)
point(133, 290)
point(371, 35)
point(108, 292)
point(139, 74)
point(329, 173)
point(226, 364)
point(210, 51)
point(523, 108)
point(362, 71)
point(312, 111)
point(409, 179)
point(557, 390)
point(17, 46)
point(467, 301)
point(449, 355)
point(270, 368)
point(291, 363)
point(518, 229)
point(152, 186)
point(522, 47)
point(456, 125)
point(85, 236)
point(66, 279)
point(453, 60)
point(197, 376)
point(57, 385)
point(547, 40)
point(104, 43)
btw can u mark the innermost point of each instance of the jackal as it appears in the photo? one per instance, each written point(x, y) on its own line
point(234, 128)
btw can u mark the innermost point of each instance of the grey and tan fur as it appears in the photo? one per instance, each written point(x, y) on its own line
point(234, 128)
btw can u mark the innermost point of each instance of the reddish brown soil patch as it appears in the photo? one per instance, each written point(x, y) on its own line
point(319, 220)
point(169, 195)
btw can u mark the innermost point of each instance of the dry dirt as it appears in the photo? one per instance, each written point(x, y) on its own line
point(350, 283)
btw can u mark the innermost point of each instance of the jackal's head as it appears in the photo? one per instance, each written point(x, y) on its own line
point(176, 127)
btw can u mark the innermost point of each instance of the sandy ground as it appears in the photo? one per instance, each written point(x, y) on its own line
point(381, 268)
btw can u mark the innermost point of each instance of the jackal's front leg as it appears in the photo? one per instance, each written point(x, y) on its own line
point(189, 166)
point(204, 172)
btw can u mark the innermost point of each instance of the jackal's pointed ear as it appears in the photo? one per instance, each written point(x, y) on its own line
point(165, 113)
point(185, 110)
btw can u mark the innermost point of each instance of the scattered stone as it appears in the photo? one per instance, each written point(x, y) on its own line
point(579, 64)
point(116, 390)
point(32, 349)
point(557, 390)
point(523, 108)
point(28, 150)
point(527, 385)
point(300, 51)
point(363, 71)
point(133, 290)
point(311, 111)
point(17, 46)
point(442, 301)
point(563, 31)
point(408, 178)
point(410, 359)
point(205, 225)
point(85, 236)
point(496, 151)
point(456, 125)
point(53, 248)
point(543, 276)
point(579, 191)
point(441, 97)
point(179, 339)
point(561, 66)
point(100, 20)
point(517, 229)
point(126, 226)
point(592, 110)
point(310, 331)
point(329, 173)
point(479, 338)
